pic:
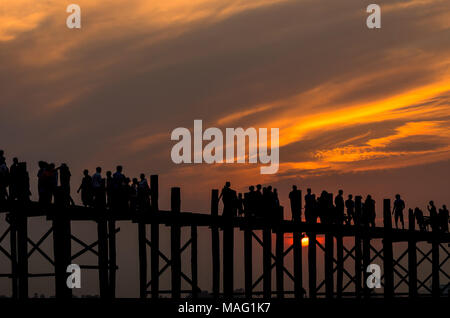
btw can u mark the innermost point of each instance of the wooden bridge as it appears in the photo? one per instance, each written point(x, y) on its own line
point(361, 253)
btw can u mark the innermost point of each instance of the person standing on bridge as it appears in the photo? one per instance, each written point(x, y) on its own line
point(350, 205)
point(13, 179)
point(443, 219)
point(64, 181)
point(340, 207)
point(228, 196)
point(397, 211)
point(296, 208)
point(4, 179)
point(86, 189)
point(433, 216)
point(310, 207)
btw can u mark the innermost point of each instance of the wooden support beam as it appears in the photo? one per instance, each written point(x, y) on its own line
point(435, 265)
point(112, 257)
point(388, 259)
point(366, 263)
point(340, 265)
point(22, 253)
point(248, 257)
point(175, 241)
point(194, 261)
point(215, 245)
point(142, 242)
point(312, 265)
point(154, 236)
point(13, 249)
point(228, 259)
point(267, 262)
point(62, 255)
point(279, 254)
point(329, 265)
point(412, 257)
point(358, 250)
point(298, 266)
point(102, 232)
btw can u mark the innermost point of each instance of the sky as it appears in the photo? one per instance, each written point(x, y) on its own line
point(358, 109)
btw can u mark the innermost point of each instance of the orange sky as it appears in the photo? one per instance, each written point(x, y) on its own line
point(364, 110)
point(347, 100)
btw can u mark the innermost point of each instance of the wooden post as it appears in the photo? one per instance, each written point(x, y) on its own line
point(175, 240)
point(312, 264)
point(22, 254)
point(112, 257)
point(267, 261)
point(228, 258)
point(366, 262)
point(248, 269)
point(435, 268)
point(62, 255)
point(154, 227)
point(358, 251)
point(387, 251)
point(329, 265)
point(103, 257)
point(215, 244)
point(298, 266)
point(412, 256)
point(13, 248)
point(142, 241)
point(329, 252)
point(340, 265)
point(279, 251)
point(194, 261)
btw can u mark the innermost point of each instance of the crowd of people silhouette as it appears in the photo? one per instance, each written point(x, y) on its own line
point(120, 193)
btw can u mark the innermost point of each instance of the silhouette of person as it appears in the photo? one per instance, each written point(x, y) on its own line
point(109, 188)
point(228, 196)
point(276, 198)
point(86, 189)
point(369, 213)
point(258, 201)
point(4, 179)
point(98, 188)
point(249, 202)
point(119, 189)
point(240, 205)
point(433, 216)
point(420, 220)
point(350, 205)
point(397, 211)
point(133, 194)
point(324, 207)
point(52, 178)
point(340, 207)
point(310, 207)
point(22, 183)
point(296, 209)
point(64, 181)
point(443, 218)
point(143, 194)
point(42, 189)
point(13, 179)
